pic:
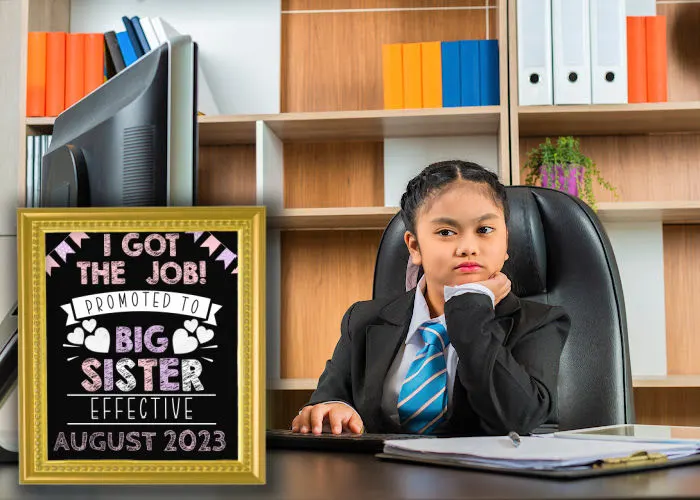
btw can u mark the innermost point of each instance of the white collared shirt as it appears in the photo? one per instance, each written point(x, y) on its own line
point(414, 342)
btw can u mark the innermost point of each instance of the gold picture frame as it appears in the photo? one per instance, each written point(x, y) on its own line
point(36, 466)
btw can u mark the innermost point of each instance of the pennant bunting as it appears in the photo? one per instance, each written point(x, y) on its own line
point(227, 257)
point(78, 238)
point(63, 250)
point(50, 264)
point(212, 244)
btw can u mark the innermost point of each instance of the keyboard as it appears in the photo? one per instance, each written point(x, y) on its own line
point(361, 443)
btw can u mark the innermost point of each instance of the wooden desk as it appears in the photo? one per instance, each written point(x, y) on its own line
point(312, 475)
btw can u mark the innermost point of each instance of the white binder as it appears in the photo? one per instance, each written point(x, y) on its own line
point(572, 54)
point(534, 52)
point(608, 52)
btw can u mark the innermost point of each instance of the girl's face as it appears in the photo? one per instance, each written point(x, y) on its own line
point(461, 236)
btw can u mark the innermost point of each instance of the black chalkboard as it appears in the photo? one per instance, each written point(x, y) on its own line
point(106, 314)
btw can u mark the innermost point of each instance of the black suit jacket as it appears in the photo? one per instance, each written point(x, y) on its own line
point(507, 372)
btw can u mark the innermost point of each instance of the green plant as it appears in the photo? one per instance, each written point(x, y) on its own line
point(566, 153)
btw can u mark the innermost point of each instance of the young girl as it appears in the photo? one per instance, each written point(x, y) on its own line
point(459, 354)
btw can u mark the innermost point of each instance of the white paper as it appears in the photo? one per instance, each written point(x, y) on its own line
point(533, 452)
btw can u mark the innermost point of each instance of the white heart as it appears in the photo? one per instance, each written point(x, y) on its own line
point(191, 325)
point(76, 336)
point(204, 334)
point(183, 343)
point(89, 324)
point(98, 341)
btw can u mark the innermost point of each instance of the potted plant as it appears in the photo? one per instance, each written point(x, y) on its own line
point(564, 167)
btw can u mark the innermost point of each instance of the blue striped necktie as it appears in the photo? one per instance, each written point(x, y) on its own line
point(422, 400)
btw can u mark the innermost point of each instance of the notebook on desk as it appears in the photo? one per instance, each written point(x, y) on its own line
point(548, 457)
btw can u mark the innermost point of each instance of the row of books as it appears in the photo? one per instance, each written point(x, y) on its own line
point(441, 74)
point(61, 69)
point(37, 146)
point(589, 52)
point(647, 61)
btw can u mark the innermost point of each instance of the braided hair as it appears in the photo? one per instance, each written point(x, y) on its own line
point(437, 176)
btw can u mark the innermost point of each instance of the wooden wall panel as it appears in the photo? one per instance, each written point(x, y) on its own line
point(288, 5)
point(683, 20)
point(643, 168)
point(321, 175)
point(283, 406)
point(323, 274)
point(49, 15)
point(226, 175)
point(667, 406)
point(333, 61)
point(682, 284)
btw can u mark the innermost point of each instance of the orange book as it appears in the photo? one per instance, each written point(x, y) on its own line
point(412, 85)
point(94, 61)
point(657, 59)
point(75, 68)
point(55, 73)
point(636, 59)
point(431, 70)
point(392, 73)
point(36, 73)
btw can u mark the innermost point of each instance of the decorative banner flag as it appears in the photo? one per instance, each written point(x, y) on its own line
point(63, 250)
point(50, 264)
point(227, 257)
point(196, 234)
point(78, 237)
point(212, 244)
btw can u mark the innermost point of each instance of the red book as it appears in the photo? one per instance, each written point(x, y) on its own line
point(36, 74)
point(55, 73)
point(657, 59)
point(636, 59)
point(75, 68)
point(94, 61)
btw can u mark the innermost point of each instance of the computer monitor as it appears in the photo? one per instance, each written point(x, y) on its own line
point(133, 141)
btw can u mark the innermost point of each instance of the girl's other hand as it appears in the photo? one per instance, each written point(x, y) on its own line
point(340, 416)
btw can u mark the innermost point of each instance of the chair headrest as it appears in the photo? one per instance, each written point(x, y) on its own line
point(527, 249)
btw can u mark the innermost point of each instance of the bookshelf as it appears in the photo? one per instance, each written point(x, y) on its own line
point(303, 132)
point(650, 151)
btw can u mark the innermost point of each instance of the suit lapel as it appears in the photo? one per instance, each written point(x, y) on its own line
point(383, 341)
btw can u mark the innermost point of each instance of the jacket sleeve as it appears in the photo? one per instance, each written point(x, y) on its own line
point(510, 385)
point(335, 383)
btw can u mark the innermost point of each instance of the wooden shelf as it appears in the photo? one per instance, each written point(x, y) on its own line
point(381, 124)
point(292, 384)
point(668, 212)
point(667, 381)
point(225, 130)
point(614, 119)
point(340, 125)
point(213, 130)
point(332, 218)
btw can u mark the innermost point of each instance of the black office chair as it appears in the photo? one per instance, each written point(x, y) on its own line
point(559, 254)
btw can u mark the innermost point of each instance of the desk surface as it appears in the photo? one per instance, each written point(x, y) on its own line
point(311, 475)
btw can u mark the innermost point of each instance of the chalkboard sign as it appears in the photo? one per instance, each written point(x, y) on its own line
point(141, 339)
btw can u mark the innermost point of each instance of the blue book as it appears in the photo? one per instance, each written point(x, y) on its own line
point(449, 52)
point(469, 72)
point(136, 22)
point(133, 38)
point(126, 48)
point(488, 73)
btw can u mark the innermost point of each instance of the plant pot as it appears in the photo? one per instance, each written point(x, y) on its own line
point(567, 181)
